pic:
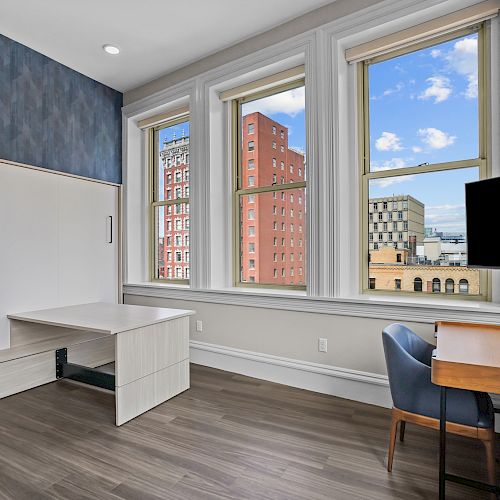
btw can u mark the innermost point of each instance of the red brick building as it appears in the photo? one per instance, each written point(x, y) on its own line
point(273, 224)
point(175, 248)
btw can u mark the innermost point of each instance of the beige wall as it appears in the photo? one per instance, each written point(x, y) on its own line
point(311, 20)
point(353, 343)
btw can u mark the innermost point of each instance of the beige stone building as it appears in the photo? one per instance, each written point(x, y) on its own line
point(388, 270)
point(393, 220)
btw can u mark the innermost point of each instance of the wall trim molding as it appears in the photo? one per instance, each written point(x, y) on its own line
point(356, 385)
point(363, 307)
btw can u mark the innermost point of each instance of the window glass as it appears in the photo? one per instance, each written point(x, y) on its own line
point(276, 226)
point(170, 207)
point(438, 88)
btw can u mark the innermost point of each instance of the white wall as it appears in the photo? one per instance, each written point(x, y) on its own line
point(353, 343)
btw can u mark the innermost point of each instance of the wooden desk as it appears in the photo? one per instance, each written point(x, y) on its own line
point(467, 356)
point(151, 349)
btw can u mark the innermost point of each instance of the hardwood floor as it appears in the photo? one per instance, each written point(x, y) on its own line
point(228, 437)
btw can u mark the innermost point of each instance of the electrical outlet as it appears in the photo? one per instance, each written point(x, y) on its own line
point(199, 326)
point(322, 345)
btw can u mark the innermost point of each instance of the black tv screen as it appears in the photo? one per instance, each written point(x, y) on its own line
point(482, 205)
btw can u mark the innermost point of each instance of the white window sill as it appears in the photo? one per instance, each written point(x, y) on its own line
point(418, 309)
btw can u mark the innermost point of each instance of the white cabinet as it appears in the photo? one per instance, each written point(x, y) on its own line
point(57, 246)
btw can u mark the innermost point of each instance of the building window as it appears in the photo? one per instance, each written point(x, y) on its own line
point(251, 247)
point(282, 134)
point(404, 163)
point(463, 286)
point(251, 264)
point(264, 186)
point(398, 257)
point(372, 283)
point(251, 164)
point(250, 128)
point(251, 145)
point(168, 203)
point(397, 284)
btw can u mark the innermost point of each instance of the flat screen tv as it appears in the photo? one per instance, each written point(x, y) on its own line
point(482, 205)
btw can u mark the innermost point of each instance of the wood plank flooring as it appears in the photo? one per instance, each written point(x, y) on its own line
point(228, 437)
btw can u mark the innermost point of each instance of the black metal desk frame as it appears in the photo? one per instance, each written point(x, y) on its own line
point(82, 373)
point(443, 475)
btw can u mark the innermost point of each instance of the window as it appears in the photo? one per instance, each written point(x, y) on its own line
point(372, 283)
point(417, 285)
point(169, 143)
point(250, 128)
point(251, 164)
point(397, 284)
point(251, 247)
point(463, 286)
point(416, 170)
point(264, 186)
point(251, 145)
point(251, 264)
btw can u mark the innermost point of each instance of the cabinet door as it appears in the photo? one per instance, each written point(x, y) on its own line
point(88, 242)
point(28, 242)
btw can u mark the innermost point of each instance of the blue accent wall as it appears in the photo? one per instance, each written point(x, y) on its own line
point(54, 117)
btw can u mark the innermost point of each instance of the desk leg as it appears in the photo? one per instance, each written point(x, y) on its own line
point(442, 444)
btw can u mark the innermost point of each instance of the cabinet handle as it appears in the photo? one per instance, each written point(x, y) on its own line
point(110, 229)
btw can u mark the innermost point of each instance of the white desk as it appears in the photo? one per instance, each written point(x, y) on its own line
point(151, 347)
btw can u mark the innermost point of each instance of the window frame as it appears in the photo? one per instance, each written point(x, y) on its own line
point(154, 203)
point(237, 175)
point(482, 162)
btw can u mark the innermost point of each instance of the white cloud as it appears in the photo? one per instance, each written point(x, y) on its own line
point(416, 149)
point(435, 53)
point(390, 165)
point(393, 90)
point(435, 138)
point(446, 217)
point(463, 59)
point(388, 141)
point(439, 88)
point(291, 102)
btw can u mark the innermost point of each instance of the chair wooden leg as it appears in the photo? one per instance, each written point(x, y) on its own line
point(402, 431)
point(489, 446)
point(392, 438)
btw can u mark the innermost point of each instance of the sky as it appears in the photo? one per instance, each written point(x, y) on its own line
point(424, 108)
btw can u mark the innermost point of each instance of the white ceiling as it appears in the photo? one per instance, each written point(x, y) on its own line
point(155, 37)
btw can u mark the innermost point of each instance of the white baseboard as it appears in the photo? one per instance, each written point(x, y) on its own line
point(360, 386)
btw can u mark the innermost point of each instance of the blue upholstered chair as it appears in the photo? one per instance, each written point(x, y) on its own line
point(417, 400)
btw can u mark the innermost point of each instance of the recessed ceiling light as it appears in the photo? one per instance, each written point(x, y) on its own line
point(111, 49)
